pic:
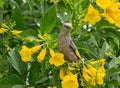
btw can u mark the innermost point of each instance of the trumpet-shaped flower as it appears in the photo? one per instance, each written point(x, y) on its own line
point(28, 39)
point(16, 32)
point(100, 76)
point(111, 11)
point(94, 72)
point(62, 74)
point(92, 16)
point(89, 74)
point(25, 54)
point(2, 30)
point(103, 3)
point(35, 49)
point(41, 55)
point(70, 81)
point(56, 58)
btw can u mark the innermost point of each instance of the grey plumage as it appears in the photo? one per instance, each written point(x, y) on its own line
point(65, 43)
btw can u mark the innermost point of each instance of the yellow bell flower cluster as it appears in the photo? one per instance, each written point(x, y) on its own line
point(3, 28)
point(111, 12)
point(69, 80)
point(93, 73)
point(26, 53)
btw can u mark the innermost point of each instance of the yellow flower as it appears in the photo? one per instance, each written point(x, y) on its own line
point(51, 87)
point(85, 74)
point(38, 40)
point(100, 75)
point(25, 54)
point(70, 81)
point(108, 17)
point(41, 55)
point(102, 61)
point(94, 75)
point(56, 58)
point(2, 30)
point(16, 32)
point(29, 39)
point(92, 16)
point(40, 36)
point(55, 0)
point(103, 3)
point(4, 25)
point(35, 49)
point(62, 74)
point(71, 68)
point(91, 71)
point(112, 13)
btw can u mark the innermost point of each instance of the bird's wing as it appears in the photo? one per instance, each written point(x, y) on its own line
point(72, 45)
point(74, 49)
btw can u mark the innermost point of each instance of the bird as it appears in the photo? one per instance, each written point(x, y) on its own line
point(66, 44)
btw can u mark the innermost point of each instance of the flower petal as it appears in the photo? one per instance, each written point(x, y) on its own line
point(41, 55)
point(25, 54)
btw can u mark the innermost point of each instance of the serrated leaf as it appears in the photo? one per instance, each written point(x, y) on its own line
point(48, 20)
point(10, 81)
point(15, 60)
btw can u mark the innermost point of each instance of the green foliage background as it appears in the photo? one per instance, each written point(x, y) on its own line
point(45, 17)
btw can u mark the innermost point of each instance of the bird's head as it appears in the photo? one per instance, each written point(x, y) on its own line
point(67, 27)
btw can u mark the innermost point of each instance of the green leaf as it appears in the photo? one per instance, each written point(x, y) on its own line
point(115, 58)
point(112, 63)
point(15, 60)
point(110, 72)
point(17, 16)
point(19, 2)
point(48, 20)
point(30, 2)
point(1, 15)
point(10, 81)
point(34, 73)
point(104, 49)
point(29, 33)
point(113, 82)
point(1, 3)
point(43, 78)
